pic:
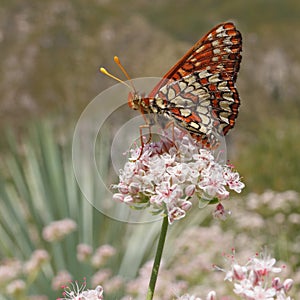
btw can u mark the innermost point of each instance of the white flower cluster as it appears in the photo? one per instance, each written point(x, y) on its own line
point(76, 292)
point(252, 280)
point(166, 174)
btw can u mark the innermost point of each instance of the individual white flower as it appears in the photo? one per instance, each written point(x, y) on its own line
point(233, 180)
point(264, 265)
point(175, 213)
point(260, 293)
point(95, 294)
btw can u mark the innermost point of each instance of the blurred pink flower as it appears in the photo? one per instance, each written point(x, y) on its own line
point(102, 254)
point(84, 252)
point(61, 279)
point(57, 230)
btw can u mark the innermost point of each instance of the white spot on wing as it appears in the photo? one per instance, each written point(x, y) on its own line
point(189, 89)
point(214, 78)
point(160, 103)
point(219, 29)
point(209, 37)
point(217, 51)
point(182, 85)
point(227, 41)
point(204, 74)
point(228, 97)
point(215, 43)
point(194, 125)
point(171, 93)
point(222, 34)
point(185, 112)
point(222, 86)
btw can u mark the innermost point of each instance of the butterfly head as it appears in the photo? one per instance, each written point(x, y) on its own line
point(134, 100)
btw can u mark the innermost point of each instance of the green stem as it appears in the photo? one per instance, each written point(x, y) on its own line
point(157, 259)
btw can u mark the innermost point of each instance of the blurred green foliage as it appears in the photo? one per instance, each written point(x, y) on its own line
point(37, 187)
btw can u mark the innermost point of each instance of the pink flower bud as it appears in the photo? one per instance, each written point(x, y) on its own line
point(134, 188)
point(238, 272)
point(253, 277)
point(211, 296)
point(190, 190)
point(118, 197)
point(276, 283)
point(123, 188)
point(186, 205)
point(287, 284)
point(128, 199)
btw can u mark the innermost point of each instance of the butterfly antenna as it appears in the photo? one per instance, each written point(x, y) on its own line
point(104, 71)
point(117, 61)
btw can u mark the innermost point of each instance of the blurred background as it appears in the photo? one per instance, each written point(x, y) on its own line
point(51, 52)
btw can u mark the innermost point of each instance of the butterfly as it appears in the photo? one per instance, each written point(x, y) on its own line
point(198, 93)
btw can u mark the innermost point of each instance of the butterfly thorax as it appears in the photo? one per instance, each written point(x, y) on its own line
point(153, 109)
point(146, 105)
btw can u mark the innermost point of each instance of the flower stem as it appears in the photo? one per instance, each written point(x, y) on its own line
point(157, 259)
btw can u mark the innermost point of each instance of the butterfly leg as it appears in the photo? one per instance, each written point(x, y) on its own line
point(169, 143)
point(141, 133)
point(168, 125)
point(142, 138)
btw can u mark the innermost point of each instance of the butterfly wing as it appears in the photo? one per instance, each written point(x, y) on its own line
point(199, 91)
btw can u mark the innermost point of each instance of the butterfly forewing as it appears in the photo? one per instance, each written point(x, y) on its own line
point(219, 51)
point(199, 92)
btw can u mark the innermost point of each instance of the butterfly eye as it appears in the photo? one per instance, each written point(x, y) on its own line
point(130, 100)
point(134, 101)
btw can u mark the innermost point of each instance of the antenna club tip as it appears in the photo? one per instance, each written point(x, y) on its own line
point(116, 59)
point(103, 70)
